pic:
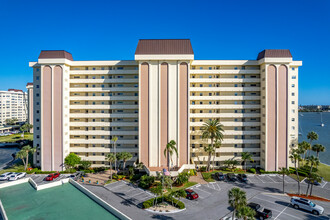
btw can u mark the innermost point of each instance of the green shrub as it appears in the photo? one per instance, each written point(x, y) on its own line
point(182, 178)
point(203, 168)
point(32, 171)
point(146, 181)
point(192, 172)
point(252, 170)
point(149, 203)
point(135, 177)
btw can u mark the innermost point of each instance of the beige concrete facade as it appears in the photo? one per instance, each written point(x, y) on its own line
point(156, 98)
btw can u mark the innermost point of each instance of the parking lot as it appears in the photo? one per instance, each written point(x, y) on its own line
point(129, 192)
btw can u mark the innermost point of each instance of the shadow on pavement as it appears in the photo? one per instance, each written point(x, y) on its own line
point(161, 217)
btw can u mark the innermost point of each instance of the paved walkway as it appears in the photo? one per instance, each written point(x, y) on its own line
point(198, 179)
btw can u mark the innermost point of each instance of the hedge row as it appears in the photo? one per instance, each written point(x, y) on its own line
point(300, 172)
point(178, 204)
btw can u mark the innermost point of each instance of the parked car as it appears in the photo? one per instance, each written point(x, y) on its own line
point(191, 194)
point(300, 203)
point(219, 176)
point(5, 176)
point(261, 212)
point(75, 176)
point(16, 176)
point(315, 182)
point(52, 176)
point(242, 177)
point(231, 177)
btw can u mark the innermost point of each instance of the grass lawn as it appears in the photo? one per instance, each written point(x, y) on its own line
point(110, 181)
point(15, 168)
point(294, 176)
point(186, 185)
point(324, 171)
point(15, 137)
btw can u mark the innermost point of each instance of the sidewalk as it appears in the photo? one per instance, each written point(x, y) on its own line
point(198, 179)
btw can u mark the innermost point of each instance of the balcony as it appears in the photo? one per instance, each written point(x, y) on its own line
point(225, 106)
point(224, 80)
point(227, 150)
point(114, 106)
point(101, 132)
point(103, 72)
point(223, 71)
point(221, 158)
point(104, 89)
point(223, 89)
point(229, 141)
point(228, 124)
point(224, 115)
point(100, 141)
point(232, 132)
point(89, 81)
point(102, 149)
point(104, 124)
point(222, 97)
point(105, 98)
point(104, 115)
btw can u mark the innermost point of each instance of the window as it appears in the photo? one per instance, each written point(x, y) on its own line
point(37, 86)
point(292, 119)
point(243, 67)
point(37, 78)
point(292, 85)
point(200, 68)
point(292, 68)
point(210, 68)
point(293, 77)
point(292, 102)
point(293, 128)
point(292, 94)
point(293, 111)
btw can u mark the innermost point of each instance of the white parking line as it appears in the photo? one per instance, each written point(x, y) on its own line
point(282, 211)
point(203, 191)
point(324, 184)
point(271, 179)
point(259, 179)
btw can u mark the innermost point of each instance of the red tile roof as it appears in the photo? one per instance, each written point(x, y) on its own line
point(274, 53)
point(168, 46)
point(29, 84)
point(15, 90)
point(53, 54)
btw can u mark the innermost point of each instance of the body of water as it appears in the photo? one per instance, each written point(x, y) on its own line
point(311, 121)
point(6, 156)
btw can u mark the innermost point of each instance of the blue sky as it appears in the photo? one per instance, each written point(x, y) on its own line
point(107, 30)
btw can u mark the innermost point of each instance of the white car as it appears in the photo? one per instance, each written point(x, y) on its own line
point(16, 176)
point(5, 176)
point(300, 203)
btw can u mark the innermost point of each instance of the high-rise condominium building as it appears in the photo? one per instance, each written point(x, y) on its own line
point(165, 94)
point(13, 105)
point(29, 87)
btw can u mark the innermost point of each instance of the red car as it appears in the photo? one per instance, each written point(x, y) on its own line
point(52, 176)
point(191, 194)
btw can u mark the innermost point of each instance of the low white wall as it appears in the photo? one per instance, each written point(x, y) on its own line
point(50, 185)
point(13, 183)
point(100, 201)
point(31, 181)
point(3, 212)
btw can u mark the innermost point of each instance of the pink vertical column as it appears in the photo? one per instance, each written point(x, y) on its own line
point(282, 116)
point(271, 117)
point(57, 116)
point(144, 114)
point(46, 119)
point(183, 115)
point(163, 112)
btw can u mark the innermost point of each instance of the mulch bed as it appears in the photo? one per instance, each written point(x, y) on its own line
point(310, 197)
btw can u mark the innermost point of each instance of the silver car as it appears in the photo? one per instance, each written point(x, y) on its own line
point(5, 176)
point(300, 203)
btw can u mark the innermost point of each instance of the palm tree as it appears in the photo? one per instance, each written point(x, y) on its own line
point(284, 171)
point(236, 199)
point(125, 157)
point(246, 213)
point(168, 152)
point(312, 161)
point(312, 178)
point(217, 144)
point(212, 129)
point(25, 128)
point(295, 157)
point(114, 140)
point(303, 148)
point(21, 155)
point(24, 153)
point(246, 156)
point(111, 158)
point(311, 136)
point(318, 148)
point(209, 149)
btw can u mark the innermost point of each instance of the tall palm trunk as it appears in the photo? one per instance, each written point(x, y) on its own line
point(213, 161)
point(295, 166)
point(311, 189)
point(209, 161)
point(27, 160)
point(310, 171)
point(110, 171)
point(234, 213)
point(168, 161)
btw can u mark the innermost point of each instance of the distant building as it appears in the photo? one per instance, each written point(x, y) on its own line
point(29, 87)
point(165, 94)
point(13, 104)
